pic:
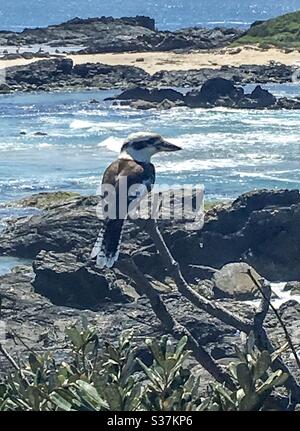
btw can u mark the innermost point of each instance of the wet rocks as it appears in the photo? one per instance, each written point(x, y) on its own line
point(293, 287)
point(260, 228)
point(61, 74)
point(215, 92)
point(244, 74)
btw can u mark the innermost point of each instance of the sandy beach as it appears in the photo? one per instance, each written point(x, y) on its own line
point(153, 62)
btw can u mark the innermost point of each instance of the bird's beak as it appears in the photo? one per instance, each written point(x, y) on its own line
point(167, 146)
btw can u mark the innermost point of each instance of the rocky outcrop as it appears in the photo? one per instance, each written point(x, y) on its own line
point(41, 324)
point(215, 92)
point(58, 74)
point(66, 281)
point(244, 74)
point(107, 34)
point(293, 287)
point(261, 228)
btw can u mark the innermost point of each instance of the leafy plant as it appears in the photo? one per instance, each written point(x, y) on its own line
point(118, 380)
point(255, 381)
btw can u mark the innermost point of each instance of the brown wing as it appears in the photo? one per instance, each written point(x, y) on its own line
point(107, 245)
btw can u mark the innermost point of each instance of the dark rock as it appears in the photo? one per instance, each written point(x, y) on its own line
point(293, 287)
point(155, 95)
point(66, 281)
point(142, 104)
point(263, 97)
point(214, 92)
point(5, 89)
point(35, 319)
point(215, 88)
point(255, 229)
point(40, 134)
point(60, 74)
point(285, 103)
point(244, 74)
point(107, 34)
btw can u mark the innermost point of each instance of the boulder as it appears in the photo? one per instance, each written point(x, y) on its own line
point(41, 323)
point(215, 88)
point(154, 96)
point(261, 228)
point(293, 287)
point(65, 280)
point(285, 103)
point(233, 281)
point(263, 97)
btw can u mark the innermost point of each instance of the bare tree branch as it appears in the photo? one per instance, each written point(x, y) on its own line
point(199, 301)
point(144, 287)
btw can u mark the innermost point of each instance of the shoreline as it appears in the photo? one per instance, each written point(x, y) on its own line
point(153, 62)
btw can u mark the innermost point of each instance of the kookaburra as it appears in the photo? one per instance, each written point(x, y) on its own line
point(133, 164)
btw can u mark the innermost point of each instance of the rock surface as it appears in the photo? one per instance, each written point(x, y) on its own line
point(261, 228)
point(107, 34)
point(41, 325)
point(61, 74)
point(232, 281)
point(215, 92)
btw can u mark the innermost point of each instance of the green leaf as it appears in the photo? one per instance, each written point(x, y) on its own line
point(250, 343)
point(34, 363)
point(90, 393)
point(61, 402)
point(262, 364)
point(75, 336)
point(278, 378)
point(249, 402)
point(244, 377)
point(181, 346)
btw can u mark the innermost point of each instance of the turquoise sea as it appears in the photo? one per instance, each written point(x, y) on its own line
point(60, 141)
point(169, 14)
point(229, 151)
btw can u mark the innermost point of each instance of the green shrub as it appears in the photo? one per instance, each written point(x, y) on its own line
point(118, 380)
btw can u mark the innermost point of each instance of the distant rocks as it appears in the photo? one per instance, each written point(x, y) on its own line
point(215, 92)
point(61, 74)
point(293, 287)
point(107, 34)
point(244, 74)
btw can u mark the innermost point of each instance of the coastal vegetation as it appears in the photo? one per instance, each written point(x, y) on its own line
point(118, 380)
point(282, 32)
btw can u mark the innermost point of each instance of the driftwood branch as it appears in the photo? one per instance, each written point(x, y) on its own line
point(263, 342)
point(215, 310)
point(144, 287)
point(267, 299)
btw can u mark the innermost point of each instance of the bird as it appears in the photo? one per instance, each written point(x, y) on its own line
point(134, 166)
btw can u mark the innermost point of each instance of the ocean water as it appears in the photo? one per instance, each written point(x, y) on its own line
point(169, 14)
point(229, 151)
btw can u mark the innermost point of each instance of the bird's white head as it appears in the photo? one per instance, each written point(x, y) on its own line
point(143, 145)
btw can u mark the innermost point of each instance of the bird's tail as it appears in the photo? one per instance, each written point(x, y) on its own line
point(107, 245)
